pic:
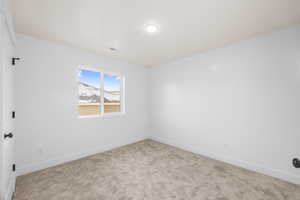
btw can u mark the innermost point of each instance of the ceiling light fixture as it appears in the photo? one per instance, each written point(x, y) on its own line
point(150, 28)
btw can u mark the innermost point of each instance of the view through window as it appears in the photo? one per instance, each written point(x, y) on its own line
point(112, 93)
point(89, 92)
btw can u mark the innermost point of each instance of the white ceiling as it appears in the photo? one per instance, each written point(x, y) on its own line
point(185, 26)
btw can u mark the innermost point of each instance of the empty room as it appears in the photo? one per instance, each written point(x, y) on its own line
point(149, 100)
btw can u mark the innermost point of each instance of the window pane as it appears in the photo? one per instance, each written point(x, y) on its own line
point(89, 92)
point(112, 93)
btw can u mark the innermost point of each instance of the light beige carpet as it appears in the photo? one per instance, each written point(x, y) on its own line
point(149, 170)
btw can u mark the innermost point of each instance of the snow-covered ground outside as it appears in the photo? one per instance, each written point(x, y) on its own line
point(91, 94)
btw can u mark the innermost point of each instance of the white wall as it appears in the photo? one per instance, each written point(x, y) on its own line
point(48, 129)
point(239, 104)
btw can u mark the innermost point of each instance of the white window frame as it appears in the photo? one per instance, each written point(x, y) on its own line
point(122, 92)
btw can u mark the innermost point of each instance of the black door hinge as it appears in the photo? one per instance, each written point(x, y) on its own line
point(13, 114)
point(13, 60)
point(14, 167)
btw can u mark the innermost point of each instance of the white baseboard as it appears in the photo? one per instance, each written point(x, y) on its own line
point(75, 156)
point(241, 163)
point(11, 188)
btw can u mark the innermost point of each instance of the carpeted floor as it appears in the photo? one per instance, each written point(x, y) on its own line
point(149, 170)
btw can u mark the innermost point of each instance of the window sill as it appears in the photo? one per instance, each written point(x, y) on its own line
point(102, 116)
point(113, 114)
point(88, 116)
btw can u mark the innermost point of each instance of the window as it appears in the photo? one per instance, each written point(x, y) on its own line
point(100, 93)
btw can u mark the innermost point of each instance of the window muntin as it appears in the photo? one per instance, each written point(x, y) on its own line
point(100, 93)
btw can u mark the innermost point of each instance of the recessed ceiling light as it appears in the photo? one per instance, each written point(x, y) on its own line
point(150, 28)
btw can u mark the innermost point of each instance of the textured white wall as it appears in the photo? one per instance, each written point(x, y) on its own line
point(48, 130)
point(239, 103)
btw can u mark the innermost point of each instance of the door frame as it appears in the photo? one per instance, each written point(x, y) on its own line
point(6, 26)
point(1, 108)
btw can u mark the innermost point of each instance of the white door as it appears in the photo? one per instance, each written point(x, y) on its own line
point(7, 107)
